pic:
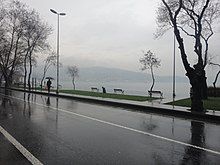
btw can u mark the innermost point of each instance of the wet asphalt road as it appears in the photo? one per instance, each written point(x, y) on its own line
point(62, 131)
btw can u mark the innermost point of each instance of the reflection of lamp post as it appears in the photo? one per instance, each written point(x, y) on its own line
point(58, 14)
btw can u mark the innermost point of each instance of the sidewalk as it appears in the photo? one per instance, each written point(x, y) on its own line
point(152, 107)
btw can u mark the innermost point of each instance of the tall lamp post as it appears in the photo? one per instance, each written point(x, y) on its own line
point(58, 24)
point(174, 67)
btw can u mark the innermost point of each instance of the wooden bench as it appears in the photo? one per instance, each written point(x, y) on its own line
point(94, 89)
point(155, 92)
point(118, 90)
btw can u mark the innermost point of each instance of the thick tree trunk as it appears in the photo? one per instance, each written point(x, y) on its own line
point(196, 100)
point(196, 81)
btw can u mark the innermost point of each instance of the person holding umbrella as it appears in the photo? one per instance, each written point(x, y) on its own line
point(48, 84)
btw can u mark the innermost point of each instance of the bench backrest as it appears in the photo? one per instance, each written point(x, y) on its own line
point(118, 90)
point(94, 89)
point(154, 91)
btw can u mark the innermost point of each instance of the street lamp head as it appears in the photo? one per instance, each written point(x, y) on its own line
point(53, 11)
point(62, 14)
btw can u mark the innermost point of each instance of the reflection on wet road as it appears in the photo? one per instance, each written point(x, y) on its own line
point(62, 131)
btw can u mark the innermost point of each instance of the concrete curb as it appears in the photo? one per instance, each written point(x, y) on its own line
point(177, 111)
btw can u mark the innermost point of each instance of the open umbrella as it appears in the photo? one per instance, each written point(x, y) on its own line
point(49, 78)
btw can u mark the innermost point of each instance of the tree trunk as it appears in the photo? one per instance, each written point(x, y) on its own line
point(153, 79)
point(74, 86)
point(1, 80)
point(30, 70)
point(25, 72)
point(196, 75)
point(6, 86)
point(7, 83)
point(196, 100)
point(204, 86)
point(41, 83)
point(29, 77)
point(196, 81)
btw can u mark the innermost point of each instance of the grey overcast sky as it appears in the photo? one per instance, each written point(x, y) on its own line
point(111, 33)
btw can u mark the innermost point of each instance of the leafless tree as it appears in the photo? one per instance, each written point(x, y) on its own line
point(35, 37)
point(195, 19)
point(22, 35)
point(149, 61)
point(48, 62)
point(11, 45)
point(73, 71)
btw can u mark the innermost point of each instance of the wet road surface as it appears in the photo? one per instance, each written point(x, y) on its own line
point(62, 131)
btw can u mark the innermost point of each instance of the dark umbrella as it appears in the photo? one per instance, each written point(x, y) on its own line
point(49, 78)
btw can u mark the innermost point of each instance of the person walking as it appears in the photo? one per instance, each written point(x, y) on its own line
point(49, 85)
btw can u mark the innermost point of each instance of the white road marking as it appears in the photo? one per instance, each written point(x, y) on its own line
point(23, 150)
point(123, 127)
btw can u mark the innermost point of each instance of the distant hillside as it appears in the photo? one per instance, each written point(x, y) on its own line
point(102, 74)
point(111, 75)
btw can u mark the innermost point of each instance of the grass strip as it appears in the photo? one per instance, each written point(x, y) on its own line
point(212, 103)
point(109, 95)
